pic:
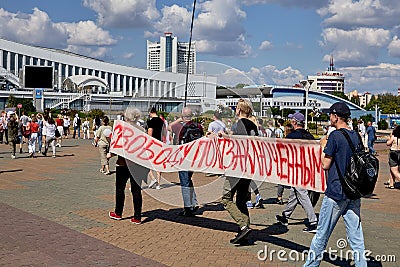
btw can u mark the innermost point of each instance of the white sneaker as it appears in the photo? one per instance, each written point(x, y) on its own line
point(152, 183)
point(158, 187)
point(12, 156)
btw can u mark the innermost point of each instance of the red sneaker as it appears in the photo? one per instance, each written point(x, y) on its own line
point(114, 216)
point(135, 221)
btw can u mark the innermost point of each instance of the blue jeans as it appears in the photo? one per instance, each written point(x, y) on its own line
point(188, 194)
point(76, 130)
point(330, 213)
point(371, 146)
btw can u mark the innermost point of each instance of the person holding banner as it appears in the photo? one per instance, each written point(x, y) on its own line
point(336, 156)
point(299, 195)
point(185, 177)
point(125, 170)
point(240, 186)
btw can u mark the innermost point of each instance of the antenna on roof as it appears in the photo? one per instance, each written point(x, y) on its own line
point(331, 66)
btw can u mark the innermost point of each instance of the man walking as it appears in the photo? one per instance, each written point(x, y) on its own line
point(77, 126)
point(180, 128)
point(299, 195)
point(335, 157)
point(371, 132)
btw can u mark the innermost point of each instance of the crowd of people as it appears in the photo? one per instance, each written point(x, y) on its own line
point(38, 132)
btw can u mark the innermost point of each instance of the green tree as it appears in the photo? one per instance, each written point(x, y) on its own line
point(341, 95)
point(96, 112)
point(27, 104)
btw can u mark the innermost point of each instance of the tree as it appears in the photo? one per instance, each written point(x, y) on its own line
point(341, 95)
point(27, 104)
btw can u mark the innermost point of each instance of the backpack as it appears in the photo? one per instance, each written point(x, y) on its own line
point(190, 132)
point(270, 133)
point(361, 173)
point(78, 122)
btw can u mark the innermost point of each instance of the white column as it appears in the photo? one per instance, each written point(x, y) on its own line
point(23, 59)
point(1, 58)
point(124, 85)
point(118, 83)
point(16, 64)
point(73, 71)
point(136, 85)
point(130, 85)
point(8, 61)
point(59, 74)
point(66, 71)
point(112, 87)
point(80, 70)
point(31, 60)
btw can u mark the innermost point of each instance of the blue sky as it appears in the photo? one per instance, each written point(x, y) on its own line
point(246, 41)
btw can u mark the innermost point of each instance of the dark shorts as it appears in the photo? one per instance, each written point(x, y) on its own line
point(394, 158)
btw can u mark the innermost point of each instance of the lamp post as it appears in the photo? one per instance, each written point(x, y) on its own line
point(307, 86)
point(261, 102)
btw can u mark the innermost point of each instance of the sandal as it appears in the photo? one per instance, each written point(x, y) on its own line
point(389, 186)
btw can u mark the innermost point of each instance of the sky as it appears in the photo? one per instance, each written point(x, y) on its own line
point(276, 42)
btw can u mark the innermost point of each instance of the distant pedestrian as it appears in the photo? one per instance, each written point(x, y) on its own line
point(67, 124)
point(77, 126)
point(60, 127)
point(39, 135)
point(102, 140)
point(13, 134)
point(216, 126)
point(50, 137)
point(394, 157)
point(86, 128)
point(371, 133)
point(33, 127)
point(128, 170)
point(336, 156)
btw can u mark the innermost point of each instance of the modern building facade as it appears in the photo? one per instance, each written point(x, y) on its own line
point(170, 55)
point(117, 86)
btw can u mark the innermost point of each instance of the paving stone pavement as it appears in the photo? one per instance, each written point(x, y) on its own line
point(54, 212)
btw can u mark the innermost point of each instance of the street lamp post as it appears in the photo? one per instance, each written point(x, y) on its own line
point(261, 102)
point(307, 86)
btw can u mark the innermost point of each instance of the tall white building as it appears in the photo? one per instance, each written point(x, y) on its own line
point(170, 55)
point(328, 81)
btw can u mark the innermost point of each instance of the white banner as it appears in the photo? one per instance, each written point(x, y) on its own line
point(292, 162)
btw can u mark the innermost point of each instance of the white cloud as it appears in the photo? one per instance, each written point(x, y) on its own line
point(174, 19)
point(128, 55)
point(376, 79)
point(357, 47)
point(124, 14)
point(87, 33)
point(394, 47)
point(266, 75)
point(265, 45)
point(289, 3)
point(349, 14)
point(35, 28)
point(83, 37)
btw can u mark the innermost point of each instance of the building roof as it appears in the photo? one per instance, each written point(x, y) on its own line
point(81, 81)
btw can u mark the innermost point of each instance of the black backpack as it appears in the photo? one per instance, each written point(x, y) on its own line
point(362, 172)
point(190, 132)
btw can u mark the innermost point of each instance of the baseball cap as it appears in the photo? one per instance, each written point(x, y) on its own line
point(297, 116)
point(340, 109)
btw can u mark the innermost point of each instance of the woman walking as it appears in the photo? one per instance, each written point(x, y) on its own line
point(102, 140)
point(394, 158)
point(50, 137)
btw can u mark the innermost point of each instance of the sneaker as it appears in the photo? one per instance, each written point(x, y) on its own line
point(54, 156)
point(152, 183)
point(249, 204)
point(259, 201)
point(312, 228)
point(195, 208)
point(279, 201)
point(186, 213)
point(44, 154)
point(107, 173)
point(114, 216)
point(241, 235)
point(282, 219)
point(158, 187)
point(13, 156)
point(136, 221)
point(101, 170)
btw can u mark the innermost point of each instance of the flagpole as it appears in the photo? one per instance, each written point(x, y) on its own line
point(188, 57)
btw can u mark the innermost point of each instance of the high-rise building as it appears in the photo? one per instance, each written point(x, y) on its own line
point(170, 55)
point(329, 81)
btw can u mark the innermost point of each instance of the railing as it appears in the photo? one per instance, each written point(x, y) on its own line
point(10, 77)
point(65, 101)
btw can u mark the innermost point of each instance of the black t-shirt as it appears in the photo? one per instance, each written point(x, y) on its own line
point(245, 127)
point(157, 124)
